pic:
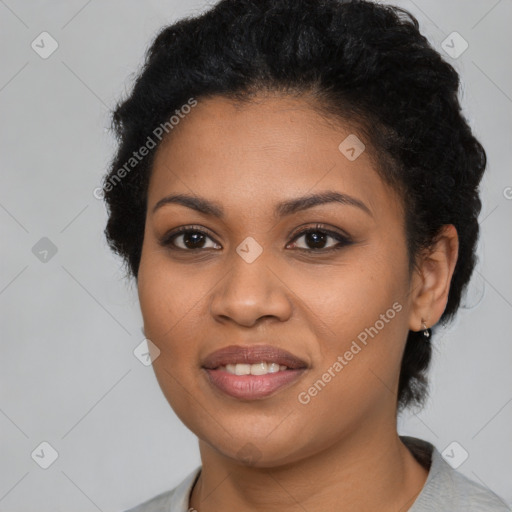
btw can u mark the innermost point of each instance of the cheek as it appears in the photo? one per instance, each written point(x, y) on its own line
point(168, 296)
point(359, 315)
point(342, 301)
point(167, 301)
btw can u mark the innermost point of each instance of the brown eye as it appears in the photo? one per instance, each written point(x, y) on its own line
point(316, 239)
point(188, 239)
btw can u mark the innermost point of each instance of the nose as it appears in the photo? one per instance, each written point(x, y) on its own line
point(250, 292)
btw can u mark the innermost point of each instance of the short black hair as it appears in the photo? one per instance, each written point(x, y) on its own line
point(363, 62)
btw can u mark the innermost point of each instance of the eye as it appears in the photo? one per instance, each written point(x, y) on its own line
point(192, 239)
point(316, 238)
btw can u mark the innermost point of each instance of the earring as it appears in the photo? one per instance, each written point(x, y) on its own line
point(426, 330)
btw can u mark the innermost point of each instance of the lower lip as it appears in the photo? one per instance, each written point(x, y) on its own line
point(252, 387)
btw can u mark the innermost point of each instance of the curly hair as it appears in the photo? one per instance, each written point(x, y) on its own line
point(363, 63)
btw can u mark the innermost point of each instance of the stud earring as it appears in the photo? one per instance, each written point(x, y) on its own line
point(426, 330)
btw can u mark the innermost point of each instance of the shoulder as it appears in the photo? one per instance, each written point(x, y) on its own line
point(473, 497)
point(156, 504)
point(447, 489)
point(174, 500)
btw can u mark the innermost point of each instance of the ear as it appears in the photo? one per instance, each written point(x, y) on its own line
point(431, 279)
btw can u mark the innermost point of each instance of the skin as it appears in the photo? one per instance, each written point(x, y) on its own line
point(343, 446)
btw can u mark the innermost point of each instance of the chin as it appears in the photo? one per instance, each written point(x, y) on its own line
point(260, 451)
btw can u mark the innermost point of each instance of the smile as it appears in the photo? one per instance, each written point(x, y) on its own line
point(252, 372)
point(253, 369)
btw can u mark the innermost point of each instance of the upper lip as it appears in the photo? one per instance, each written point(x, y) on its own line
point(235, 354)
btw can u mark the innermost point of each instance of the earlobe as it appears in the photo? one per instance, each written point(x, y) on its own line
point(432, 279)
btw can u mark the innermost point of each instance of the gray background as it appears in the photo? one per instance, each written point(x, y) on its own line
point(70, 324)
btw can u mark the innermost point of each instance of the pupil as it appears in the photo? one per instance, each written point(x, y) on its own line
point(195, 237)
point(316, 238)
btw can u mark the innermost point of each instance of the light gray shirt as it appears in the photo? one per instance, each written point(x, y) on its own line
point(445, 490)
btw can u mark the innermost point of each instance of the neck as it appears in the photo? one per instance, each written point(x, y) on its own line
point(371, 469)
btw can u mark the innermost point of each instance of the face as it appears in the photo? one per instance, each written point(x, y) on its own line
point(318, 289)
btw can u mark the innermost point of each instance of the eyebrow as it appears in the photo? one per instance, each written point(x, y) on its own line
point(282, 209)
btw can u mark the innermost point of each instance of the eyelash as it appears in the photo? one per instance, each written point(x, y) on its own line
point(343, 240)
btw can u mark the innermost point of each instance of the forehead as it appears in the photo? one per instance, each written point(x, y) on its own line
point(274, 124)
point(273, 148)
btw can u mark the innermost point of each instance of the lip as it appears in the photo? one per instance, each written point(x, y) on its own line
point(252, 387)
point(234, 354)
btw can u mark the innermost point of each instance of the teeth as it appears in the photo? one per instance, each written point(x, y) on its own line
point(253, 369)
point(259, 369)
point(243, 369)
point(273, 368)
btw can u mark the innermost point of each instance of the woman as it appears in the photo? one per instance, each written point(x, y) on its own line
point(296, 193)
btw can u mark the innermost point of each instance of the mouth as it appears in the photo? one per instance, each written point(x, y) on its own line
point(252, 372)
